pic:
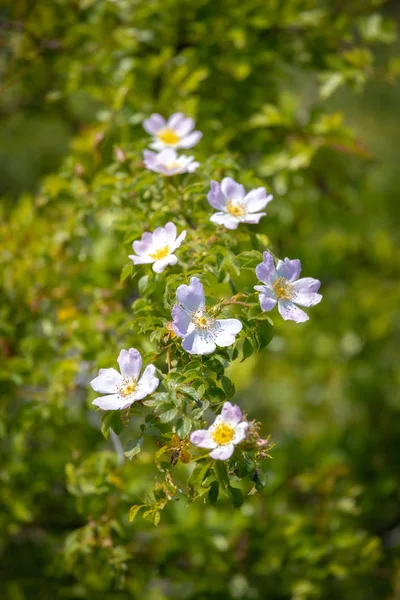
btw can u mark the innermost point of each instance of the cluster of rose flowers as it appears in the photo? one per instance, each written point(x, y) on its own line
point(201, 333)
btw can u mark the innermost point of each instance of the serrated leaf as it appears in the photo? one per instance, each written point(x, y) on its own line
point(228, 386)
point(168, 415)
point(183, 427)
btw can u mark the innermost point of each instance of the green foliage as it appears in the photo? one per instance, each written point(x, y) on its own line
point(271, 85)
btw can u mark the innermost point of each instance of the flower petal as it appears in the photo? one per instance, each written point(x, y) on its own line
point(170, 231)
point(143, 246)
point(190, 140)
point(307, 285)
point(150, 159)
point(192, 165)
point(130, 362)
point(215, 196)
point(306, 289)
point(222, 452)
point(240, 432)
point(153, 123)
point(197, 344)
point(184, 126)
point(110, 402)
point(159, 265)
point(107, 381)
point(191, 296)
point(175, 119)
point(291, 312)
point(290, 269)
point(253, 218)
point(178, 241)
point(265, 271)
point(202, 439)
point(140, 260)
point(181, 321)
point(222, 218)
point(226, 331)
point(231, 413)
point(267, 297)
point(257, 199)
point(231, 189)
point(147, 383)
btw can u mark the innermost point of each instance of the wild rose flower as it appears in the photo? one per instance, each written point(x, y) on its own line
point(234, 205)
point(201, 333)
point(282, 286)
point(167, 162)
point(158, 247)
point(177, 132)
point(124, 388)
point(222, 436)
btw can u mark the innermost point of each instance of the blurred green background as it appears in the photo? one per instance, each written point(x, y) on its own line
point(303, 93)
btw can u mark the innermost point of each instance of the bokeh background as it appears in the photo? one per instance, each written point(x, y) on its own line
point(303, 94)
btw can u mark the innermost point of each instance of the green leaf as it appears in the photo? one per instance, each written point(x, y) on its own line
point(168, 415)
point(198, 475)
point(228, 386)
point(142, 285)
point(213, 493)
point(111, 420)
point(236, 496)
point(264, 334)
point(260, 479)
point(126, 271)
point(247, 349)
point(221, 473)
point(133, 511)
point(183, 427)
point(135, 450)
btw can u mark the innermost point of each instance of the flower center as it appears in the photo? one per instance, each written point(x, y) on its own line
point(160, 253)
point(168, 136)
point(284, 290)
point(127, 387)
point(201, 320)
point(173, 165)
point(223, 434)
point(234, 209)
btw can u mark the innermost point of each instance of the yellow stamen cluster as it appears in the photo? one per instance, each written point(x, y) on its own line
point(168, 136)
point(236, 210)
point(160, 253)
point(223, 434)
point(201, 321)
point(284, 290)
point(127, 387)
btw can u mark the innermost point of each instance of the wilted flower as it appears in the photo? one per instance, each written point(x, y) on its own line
point(158, 247)
point(177, 132)
point(222, 436)
point(201, 333)
point(282, 286)
point(234, 205)
point(167, 162)
point(124, 388)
